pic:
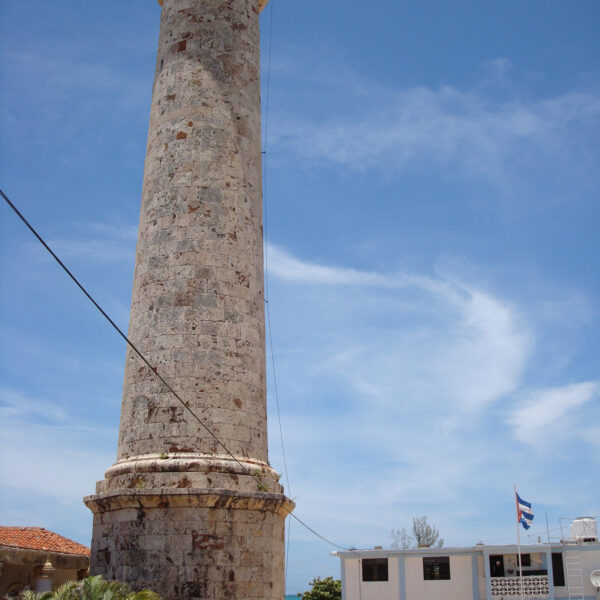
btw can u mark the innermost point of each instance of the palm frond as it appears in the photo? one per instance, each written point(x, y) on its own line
point(67, 591)
point(143, 595)
point(93, 587)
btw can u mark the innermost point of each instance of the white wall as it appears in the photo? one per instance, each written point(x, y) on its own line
point(590, 560)
point(356, 589)
point(481, 575)
point(458, 587)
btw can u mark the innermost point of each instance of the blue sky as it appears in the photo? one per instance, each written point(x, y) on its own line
point(432, 247)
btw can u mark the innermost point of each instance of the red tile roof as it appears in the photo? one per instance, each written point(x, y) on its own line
point(38, 538)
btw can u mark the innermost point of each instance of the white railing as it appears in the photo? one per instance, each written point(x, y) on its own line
point(535, 587)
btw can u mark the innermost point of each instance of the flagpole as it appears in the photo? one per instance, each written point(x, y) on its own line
point(519, 545)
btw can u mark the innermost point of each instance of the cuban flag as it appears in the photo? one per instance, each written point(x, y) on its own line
point(524, 512)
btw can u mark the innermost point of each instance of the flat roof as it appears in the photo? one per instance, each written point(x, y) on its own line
point(489, 549)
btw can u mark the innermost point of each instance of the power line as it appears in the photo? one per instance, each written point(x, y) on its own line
point(144, 359)
point(318, 534)
point(266, 229)
point(267, 296)
point(118, 330)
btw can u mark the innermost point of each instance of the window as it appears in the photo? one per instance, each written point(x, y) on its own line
point(436, 567)
point(375, 569)
point(525, 560)
point(496, 565)
point(558, 570)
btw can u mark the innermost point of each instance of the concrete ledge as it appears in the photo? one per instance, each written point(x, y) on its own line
point(164, 498)
point(187, 462)
point(33, 557)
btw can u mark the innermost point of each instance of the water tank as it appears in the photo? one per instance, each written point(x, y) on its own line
point(584, 529)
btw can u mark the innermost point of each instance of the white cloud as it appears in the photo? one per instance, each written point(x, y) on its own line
point(449, 127)
point(548, 416)
point(445, 341)
point(96, 250)
point(394, 397)
point(61, 461)
point(103, 242)
point(15, 404)
point(500, 66)
point(45, 448)
point(289, 268)
point(409, 364)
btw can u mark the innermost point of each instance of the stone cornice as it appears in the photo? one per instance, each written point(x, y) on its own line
point(163, 498)
point(261, 4)
point(188, 462)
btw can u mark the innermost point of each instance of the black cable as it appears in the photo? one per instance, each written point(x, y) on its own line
point(318, 534)
point(153, 369)
point(267, 298)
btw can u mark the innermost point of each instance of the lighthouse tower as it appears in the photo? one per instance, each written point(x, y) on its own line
point(178, 512)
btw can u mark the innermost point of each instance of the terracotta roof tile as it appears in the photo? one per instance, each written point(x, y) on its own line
point(38, 538)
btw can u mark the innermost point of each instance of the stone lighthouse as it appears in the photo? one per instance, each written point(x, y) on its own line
point(179, 511)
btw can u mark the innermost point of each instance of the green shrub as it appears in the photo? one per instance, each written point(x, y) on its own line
point(324, 589)
point(91, 588)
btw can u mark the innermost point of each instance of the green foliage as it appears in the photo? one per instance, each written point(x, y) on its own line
point(28, 595)
point(324, 589)
point(262, 487)
point(91, 588)
point(67, 591)
point(423, 535)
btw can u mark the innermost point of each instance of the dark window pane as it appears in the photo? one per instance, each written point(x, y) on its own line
point(496, 565)
point(375, 569)
point(558, 570)
point(525, 560)
point(436, 567)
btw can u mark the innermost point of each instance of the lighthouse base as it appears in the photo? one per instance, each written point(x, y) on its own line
point(191, 544)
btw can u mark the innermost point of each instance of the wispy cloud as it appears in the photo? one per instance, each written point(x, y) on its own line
point(546, 417)
point(287, 267)
point(76, 85)
point(17, 405)
point(467, 130)
point(412, 375)
point(471, 353)
point(500, 66)
point(45, 447)
point(61, 69)
point(445, 125)
point(97, 242)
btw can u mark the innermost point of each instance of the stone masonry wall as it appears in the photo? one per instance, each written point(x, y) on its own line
point(193, 547)
point(197, 308)
point(176, 513)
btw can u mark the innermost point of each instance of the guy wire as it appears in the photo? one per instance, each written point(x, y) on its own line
point(118, 330)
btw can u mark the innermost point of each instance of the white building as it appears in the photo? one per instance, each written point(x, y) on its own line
point(553, 571)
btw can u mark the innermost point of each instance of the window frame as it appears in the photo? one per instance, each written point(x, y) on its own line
point(436, 568)
point(525, 560)
point(377, 570)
